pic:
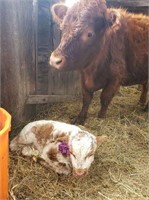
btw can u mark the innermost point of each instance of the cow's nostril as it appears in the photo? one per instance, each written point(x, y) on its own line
point(58, 61)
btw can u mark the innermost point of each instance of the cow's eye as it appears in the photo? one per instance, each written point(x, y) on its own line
point(90, 34)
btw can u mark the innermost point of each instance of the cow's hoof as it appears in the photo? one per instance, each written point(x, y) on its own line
point(101, 115)
point(146, 108)
point(78, 121)
point(141, 104)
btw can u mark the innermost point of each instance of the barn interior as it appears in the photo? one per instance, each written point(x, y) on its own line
point(31, 90)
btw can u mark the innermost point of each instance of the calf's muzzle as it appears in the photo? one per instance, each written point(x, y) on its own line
point(80, 172)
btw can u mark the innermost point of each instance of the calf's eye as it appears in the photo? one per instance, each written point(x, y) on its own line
point(89, 155)
point(72, 154)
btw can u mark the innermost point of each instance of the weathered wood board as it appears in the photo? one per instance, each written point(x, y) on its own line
point(17, 60)
point(136, 6)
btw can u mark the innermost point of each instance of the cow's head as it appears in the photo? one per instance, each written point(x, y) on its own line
point(82, 149)
point(82, 26)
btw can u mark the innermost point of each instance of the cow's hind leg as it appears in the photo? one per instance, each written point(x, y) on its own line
point(146, 107)
point(106, 96)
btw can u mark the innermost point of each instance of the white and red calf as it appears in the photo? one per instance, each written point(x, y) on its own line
point(62, 147)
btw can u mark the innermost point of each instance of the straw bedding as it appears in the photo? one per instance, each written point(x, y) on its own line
point(120, 170)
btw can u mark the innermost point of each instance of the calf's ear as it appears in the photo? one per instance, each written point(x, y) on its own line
point(58, 12)
point(101, 139)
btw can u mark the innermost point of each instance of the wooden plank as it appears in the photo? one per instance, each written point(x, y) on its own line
point(64, 82)
point(127, 3)
point(18, 72)
point(41, 99)
point(43, 46)
point(136, 6)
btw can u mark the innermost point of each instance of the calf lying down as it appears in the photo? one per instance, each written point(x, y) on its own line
point(62, 147)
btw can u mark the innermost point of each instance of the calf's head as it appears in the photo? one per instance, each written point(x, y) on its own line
point(82, 148)
point(81, 25)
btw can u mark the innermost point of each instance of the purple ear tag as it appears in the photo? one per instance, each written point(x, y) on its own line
point(63, 148)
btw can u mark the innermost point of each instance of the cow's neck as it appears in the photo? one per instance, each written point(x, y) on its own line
point(93, 73)
point(97, 69)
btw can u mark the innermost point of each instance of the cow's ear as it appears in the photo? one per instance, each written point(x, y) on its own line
point(58, 12)
point(113, 18)
point(101, 139)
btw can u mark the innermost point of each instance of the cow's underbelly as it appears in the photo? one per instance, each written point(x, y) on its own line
point(100, 83)
point(96, 81)
point(129, 83)
point(136, 73)
point(134, 79)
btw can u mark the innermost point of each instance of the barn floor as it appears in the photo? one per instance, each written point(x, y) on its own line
point(120, 170)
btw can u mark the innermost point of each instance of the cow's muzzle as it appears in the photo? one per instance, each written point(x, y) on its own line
point(57, 61)
point(80, 172)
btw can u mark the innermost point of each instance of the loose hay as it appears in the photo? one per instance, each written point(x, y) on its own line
point(120, 170)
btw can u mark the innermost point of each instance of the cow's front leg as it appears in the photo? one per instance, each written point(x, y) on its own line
point(106, 96)
point(87, 98)
point(143, 96)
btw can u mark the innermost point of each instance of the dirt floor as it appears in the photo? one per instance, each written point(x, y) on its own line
point(120, 170)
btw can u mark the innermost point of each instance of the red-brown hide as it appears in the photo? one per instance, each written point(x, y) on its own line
point(108, 46)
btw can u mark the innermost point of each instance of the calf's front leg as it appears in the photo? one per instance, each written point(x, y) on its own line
point(59, 168)
point(106, 96)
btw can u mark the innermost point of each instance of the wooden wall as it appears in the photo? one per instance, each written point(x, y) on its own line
point(44, 45)
point(17, 56)
point(137, 6)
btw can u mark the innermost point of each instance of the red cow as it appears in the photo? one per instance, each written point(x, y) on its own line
point(108, 46)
